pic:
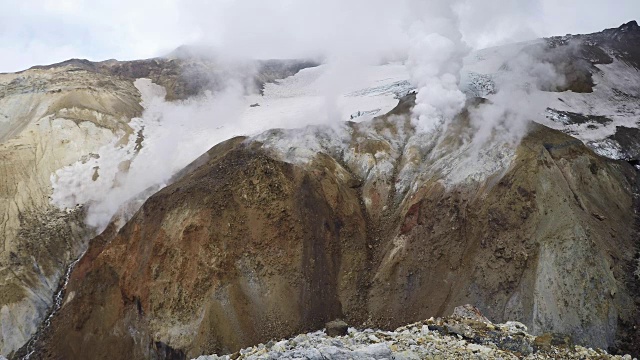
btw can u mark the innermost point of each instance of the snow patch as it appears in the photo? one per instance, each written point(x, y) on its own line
point(616, 96)
point(170, 135)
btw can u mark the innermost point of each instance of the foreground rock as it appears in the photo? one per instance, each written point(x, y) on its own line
point(453, 337)
point(336, 328)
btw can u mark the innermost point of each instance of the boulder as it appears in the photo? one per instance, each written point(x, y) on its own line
point(336, 328)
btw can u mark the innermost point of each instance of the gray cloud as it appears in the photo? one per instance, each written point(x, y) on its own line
point(45, 31)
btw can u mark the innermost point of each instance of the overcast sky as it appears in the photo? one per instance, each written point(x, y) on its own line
point(46, 31)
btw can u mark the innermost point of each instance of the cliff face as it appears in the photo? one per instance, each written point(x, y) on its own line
point(48, 119)
point(260, 242)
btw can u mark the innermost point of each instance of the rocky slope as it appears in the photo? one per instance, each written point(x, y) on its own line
point(55, 116)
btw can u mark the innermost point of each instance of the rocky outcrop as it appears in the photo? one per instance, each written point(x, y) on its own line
point(189, 72)
point(265, 237)
point(453, 337)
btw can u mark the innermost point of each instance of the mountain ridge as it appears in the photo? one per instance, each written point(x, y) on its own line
point(371, 197)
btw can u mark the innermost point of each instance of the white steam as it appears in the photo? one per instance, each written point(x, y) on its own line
point(431, 36)
point(505, 118)
point(174, 134)
point(123, 173)
point(435, 60)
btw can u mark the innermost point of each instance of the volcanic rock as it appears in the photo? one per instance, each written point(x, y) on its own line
point(336, 328)
point(420, 341)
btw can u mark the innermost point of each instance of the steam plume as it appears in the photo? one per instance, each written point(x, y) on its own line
point(428, 35)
